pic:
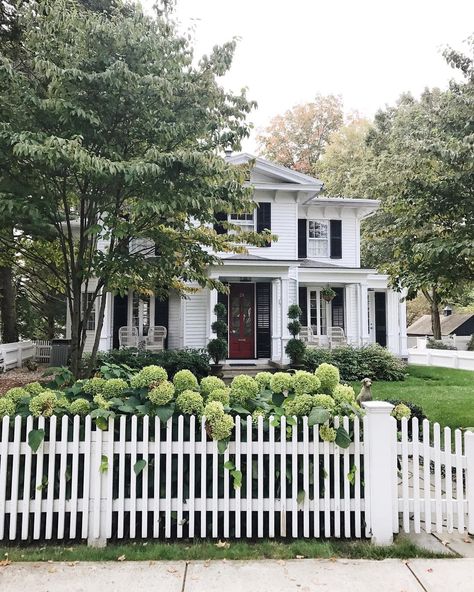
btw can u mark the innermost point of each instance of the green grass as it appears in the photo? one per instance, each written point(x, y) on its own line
point(445, 395)
point(187, 551)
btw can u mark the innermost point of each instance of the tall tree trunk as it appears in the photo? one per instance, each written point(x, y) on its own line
point(8, 305)
point(434, 301)
point(98, 331)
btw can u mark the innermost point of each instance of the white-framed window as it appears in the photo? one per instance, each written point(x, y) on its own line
point(87, 298)
point(318, 312)
point(246, 221)
point(140, 312)
point(318, 238)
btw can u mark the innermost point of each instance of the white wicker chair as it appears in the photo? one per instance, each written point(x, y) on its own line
point(155, 340)
point(309, 338)
point(128, 337)
point(337, 336)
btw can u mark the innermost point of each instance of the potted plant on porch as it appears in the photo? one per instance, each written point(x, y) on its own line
point(217, 348)
point(295, 348)
point(328, 294)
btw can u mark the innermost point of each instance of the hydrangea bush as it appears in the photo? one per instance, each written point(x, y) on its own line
point(320, 396)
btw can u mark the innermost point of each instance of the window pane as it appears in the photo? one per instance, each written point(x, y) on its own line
point(318, 239)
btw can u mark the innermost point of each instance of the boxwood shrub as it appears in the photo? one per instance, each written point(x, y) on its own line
point(356, 363)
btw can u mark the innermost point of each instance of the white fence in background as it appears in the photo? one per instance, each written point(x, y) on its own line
point(443, 358)
point(43, 351)
point(145, 479)
point(14, 355)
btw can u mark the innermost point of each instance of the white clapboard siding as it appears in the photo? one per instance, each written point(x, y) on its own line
point(84, 483)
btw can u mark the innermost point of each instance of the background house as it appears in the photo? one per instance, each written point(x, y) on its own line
point(456, 328)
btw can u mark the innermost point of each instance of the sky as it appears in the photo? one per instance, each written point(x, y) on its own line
point(367, 51)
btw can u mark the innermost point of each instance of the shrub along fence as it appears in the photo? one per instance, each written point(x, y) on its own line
point(62, 478)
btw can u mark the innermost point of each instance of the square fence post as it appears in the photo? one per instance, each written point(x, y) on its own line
point(379, 445)
point(469, 450)
point(99, 475)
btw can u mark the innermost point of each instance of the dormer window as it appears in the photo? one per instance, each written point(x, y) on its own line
point(318, 238)
point(245, 221)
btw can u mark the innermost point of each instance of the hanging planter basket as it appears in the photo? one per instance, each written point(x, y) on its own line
point(328, 294)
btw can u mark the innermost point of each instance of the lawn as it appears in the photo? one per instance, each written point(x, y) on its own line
point(445, 395)
point(204, 550)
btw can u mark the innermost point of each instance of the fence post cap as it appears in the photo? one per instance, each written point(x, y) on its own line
point(377, 407)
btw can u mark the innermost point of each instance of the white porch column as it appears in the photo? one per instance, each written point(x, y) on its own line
point(211, 315)
point(364, 314)
point(285, 302)
point(276, 320)
point(393, 330)
point(402, 323)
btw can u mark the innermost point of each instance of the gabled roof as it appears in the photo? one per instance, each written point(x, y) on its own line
point(449, 324)
point(282, 173)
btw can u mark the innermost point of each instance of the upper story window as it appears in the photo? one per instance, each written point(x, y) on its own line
point(245, 221)
point(318, 238)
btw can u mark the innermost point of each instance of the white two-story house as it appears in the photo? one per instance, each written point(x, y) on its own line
point(318, 246)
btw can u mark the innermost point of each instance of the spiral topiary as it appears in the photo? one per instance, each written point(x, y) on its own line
point(305, 383)
point(7, 407)
point(300, 405)
point(162, 394)
point(211, 383)
point(80, 407)
point(114, 387)
point(43, 404)
point(263, 379)
point(93, 386)
point(148, 376)
point(401, 411)
point(327, 434)
point(15, 394)
point(325, 401)
point(190, 402)
point(329, 377)
point(222, 395)
point(281, 382)
point(243, 388)
point(34, 388)
point(185, 380)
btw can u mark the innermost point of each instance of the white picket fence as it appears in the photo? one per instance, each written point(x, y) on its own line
point(14, 355)
point(443, 358)
point(144, 479)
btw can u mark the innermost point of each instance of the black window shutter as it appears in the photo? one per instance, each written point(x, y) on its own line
point(220, 217)
point(161, 315)
point(264, 340)
point(264, 218)
point(303, 304)
point(336, 239)
point(337, 308)
point(302, 226)
point(120, 317)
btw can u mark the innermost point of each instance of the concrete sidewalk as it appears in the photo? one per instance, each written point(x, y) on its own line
point(299, 575)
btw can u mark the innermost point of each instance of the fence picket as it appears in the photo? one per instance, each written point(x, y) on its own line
point(203, 444)
point(86, 482)
point(405, 484)
point(215, 489)
point(426, 474)
point(367, 499)
point(271, 479)
point(346, 469)
point(15, 477)
point(415, 431)
point(238, 467)
point(25, 519)
point(144, 475)
point(51, 467)
point(74, 476)
point(3, 472)
point(133, 477)
point(121, 479)
point(448, 479)
point(62, 476)
point(437, 477)
point(327, 492)
point(109, 493)
point(248, 514)
point(169, 459)
point(283, 476)
point(156, 479)
point(259, 478)
point(226, 494)
point(294, 478)
point(316, 496)
point(179, 514)
point(459, 480)
point(305, 478)
point(192, 474)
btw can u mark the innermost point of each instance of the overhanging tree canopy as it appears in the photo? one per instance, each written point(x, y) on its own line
point(110, 130)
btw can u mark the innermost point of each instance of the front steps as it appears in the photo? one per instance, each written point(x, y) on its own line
point(249, 367)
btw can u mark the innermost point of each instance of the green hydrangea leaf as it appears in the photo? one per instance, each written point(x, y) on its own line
point(104, 464)
point(164, 412)
point(318, 415)
point(222, 446)
point(229, 465)
point(35, 437)
point(237, 478)
point(301, 495)
point(278, 399)
point(343, 439)
point(139, 466)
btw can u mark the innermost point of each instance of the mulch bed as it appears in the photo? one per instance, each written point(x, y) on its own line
point(19, 377)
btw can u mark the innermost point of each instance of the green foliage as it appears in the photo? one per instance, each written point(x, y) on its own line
point(43, 404)
point(219, 423)
point(171, 360)
point(217, 349)
point(294, 327)
point(94, 386)
point(80, 407)
point(281, 382)
point(162, 394)
point(114, 387)
point(190, 402)
point(295, 349)
point(211, 383)
point(328, 293)
point(324, 401)
point(263, 379)
point(294, 312)
point(372, 361)
point(439, 344)
point(33, 388)
point(148, 376)
point(328, 374)
point(298, 405)
point(327, 434)
point(401, 411)
point(35, 438)
point(222, 395)
point(243, 388)
point(344, 393)
point(185, 380)
point(7, 407)
point(305, 383)
point(470, 344)
point(16, 393)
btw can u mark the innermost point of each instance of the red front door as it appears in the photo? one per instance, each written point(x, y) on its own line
point(241, 321)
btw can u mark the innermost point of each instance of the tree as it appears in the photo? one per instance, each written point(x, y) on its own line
point(109, 131)
point(298, 138)
point(345, 159)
